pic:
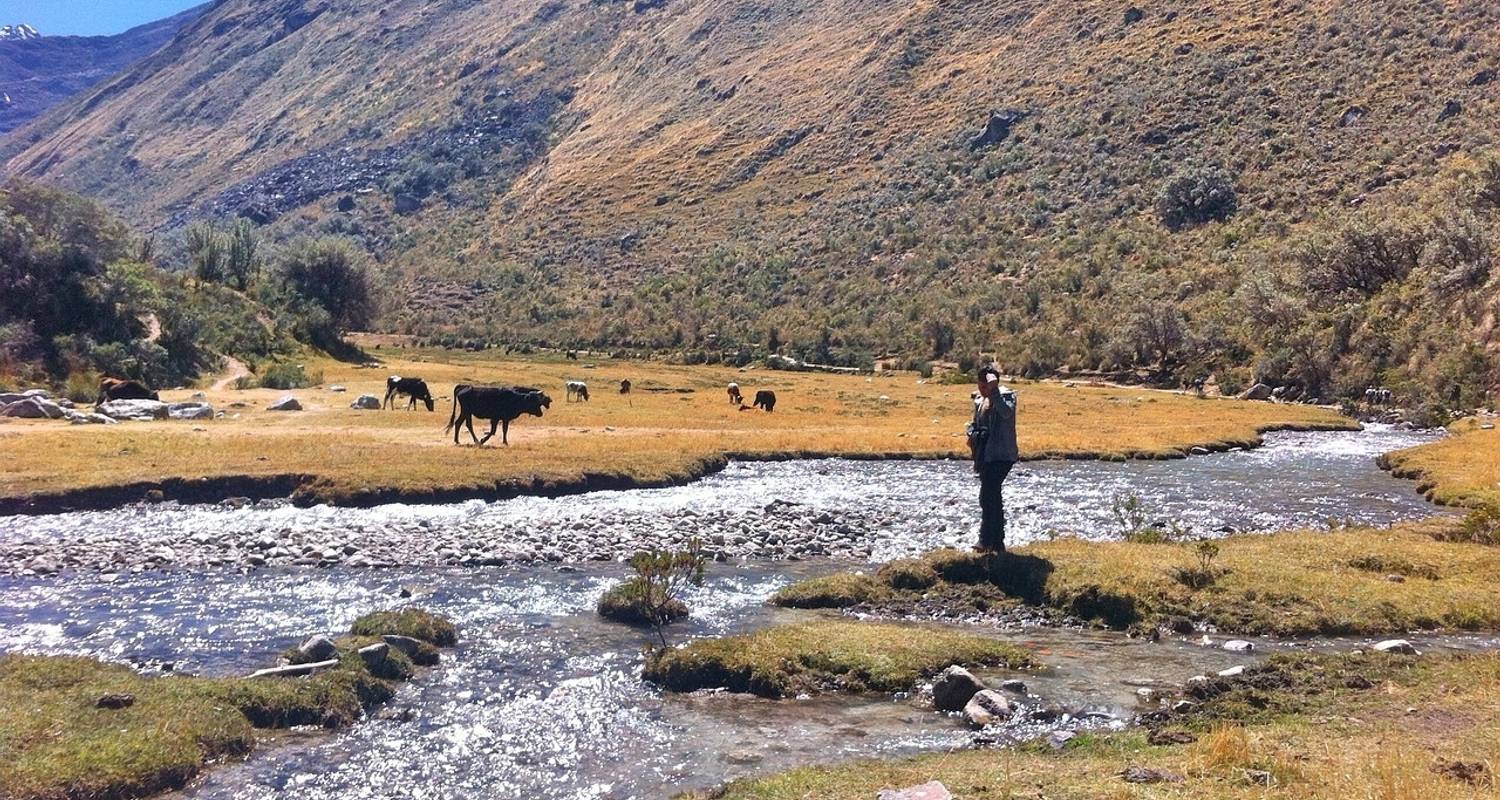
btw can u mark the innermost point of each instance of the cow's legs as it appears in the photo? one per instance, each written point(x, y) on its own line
point(390, 395)
point(472, 435)
point(504, 432)
point(494, 423)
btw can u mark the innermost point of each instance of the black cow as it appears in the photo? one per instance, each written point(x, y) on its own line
point(414, 388)
point(120, 389)
point(501, 405)
point(625, 386)
point(765, 399)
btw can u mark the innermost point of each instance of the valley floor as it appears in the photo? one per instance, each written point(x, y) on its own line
point(675, 426)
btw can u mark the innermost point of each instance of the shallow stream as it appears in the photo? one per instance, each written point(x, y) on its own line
point(542, 700)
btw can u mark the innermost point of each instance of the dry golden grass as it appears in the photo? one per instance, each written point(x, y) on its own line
point(1349, 745)
point(1460, 470)
point(1293, 583)
point(652, 436)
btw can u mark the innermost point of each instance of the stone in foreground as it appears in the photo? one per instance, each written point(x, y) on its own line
point(139, 410)
point(366, 402)
point(953, 688)
point(318, 648)
point(928, 791)
point(1400, 646)
point(986, 708)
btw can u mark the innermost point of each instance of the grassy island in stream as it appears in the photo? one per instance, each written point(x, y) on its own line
point(75, 727)
point(1356, 581)
point(675, 426)
point(1462, 469)
point(831, 655)
point(1300, 726)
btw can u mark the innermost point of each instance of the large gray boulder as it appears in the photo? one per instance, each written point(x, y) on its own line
point(190, 411)
point(1259, 391)
point(134, 409)
point(287, 403)
point(318, 648)
point(953, 687)
point(33, 408)
point(366, 402)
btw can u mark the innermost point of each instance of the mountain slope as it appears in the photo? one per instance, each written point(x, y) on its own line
point(38, 72)
point(717, 173)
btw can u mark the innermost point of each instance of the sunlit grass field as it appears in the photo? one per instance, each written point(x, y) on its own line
point(1461, 470)
point(676, 424)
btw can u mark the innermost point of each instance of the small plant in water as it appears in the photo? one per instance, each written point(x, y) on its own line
point(1133, 518)
point(1129, 513)
point(660, 578)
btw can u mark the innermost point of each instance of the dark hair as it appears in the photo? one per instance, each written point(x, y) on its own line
point(987, 369)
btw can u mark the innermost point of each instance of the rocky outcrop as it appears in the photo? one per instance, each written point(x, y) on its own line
point(997, 128)
point(190, 411)
point(135, 410)
point(33, 408)
point(318, 648)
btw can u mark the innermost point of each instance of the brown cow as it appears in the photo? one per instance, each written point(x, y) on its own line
point(121, 389)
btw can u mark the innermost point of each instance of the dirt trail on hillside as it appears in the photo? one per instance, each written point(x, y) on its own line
point(234, 370)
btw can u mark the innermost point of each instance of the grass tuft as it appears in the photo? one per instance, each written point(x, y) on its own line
point(413, 622)
point(835, 655)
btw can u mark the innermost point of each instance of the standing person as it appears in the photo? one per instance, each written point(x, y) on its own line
point(992, 440)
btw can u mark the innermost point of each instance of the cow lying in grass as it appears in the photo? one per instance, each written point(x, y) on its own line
point(501, 405)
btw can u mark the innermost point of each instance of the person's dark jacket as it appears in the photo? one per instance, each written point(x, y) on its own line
point(997, 415)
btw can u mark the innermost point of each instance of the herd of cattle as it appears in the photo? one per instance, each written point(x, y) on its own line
point(502, 405)
point(498, 405)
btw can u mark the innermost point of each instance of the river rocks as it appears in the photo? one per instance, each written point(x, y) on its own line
point(1162, 737)
point(1232, 672)
point(1259, 391)
point(932, 790)
point(318, 648)
point(986, 708)
point(192, 411)
point(1400, 646)
point(137, 410)
point(1014, 686)
point(115, 701)
point(953, 688)
point(79, 418)
point(366, 402)
point(374, 655)
point(287, 403)
point(1238, 646)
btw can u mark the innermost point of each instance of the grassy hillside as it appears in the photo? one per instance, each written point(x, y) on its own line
point(1299, 192)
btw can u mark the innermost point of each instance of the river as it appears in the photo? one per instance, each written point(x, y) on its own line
point(541, 698)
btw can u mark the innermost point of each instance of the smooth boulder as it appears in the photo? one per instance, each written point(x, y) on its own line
point(987, 708)
point(1259, 391)
point(33, 408)
point(366, 402)
point(288, 403)
point(1400, 646)
point(135, 409)
point(932, 790)
point(80, 418)
point(953, 687)
point(318, 648)
point(190, 411)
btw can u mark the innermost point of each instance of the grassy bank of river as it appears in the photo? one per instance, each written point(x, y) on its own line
point(1351, 581)
point(1327, 726)
point(676, 425)
point(81, 728)
point(1462, 469)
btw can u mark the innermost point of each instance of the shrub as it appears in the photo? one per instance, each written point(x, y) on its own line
point(81, 387)
point(288, 376)
point(628, 603)
point(1196, 195)
point(1204, 573)
point(654, 594)
point(1480, 526)
point(1361, 256)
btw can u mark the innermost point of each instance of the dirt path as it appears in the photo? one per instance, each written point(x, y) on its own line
point(235, 369)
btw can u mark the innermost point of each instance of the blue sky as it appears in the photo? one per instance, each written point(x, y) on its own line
point(88, 17)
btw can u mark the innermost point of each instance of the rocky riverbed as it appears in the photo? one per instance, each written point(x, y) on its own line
point(779, 511)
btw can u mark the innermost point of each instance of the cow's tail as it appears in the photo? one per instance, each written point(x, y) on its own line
point(453, 416)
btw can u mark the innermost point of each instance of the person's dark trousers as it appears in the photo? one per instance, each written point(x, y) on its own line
point(992, 504)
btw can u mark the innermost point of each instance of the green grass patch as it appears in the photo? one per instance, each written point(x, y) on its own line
point(833, 655)
point(57, 742)
point(413, 622)
point(840, 590)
